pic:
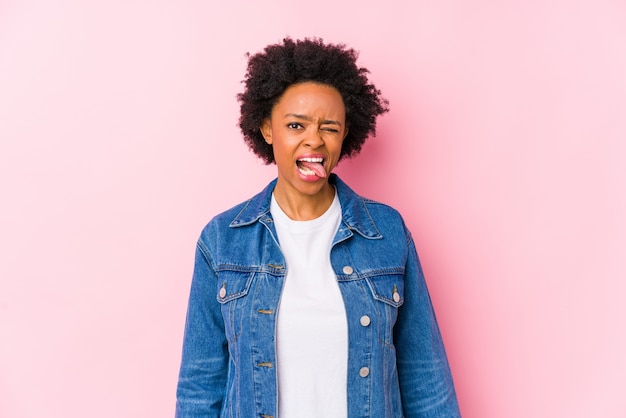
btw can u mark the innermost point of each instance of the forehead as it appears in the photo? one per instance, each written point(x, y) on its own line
point(312, 97)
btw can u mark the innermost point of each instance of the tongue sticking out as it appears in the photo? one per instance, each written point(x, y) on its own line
point(318, 168)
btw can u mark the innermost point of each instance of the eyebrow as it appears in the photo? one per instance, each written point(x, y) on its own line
point(309, 119)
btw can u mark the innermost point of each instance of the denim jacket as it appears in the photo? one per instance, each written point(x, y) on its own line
point(397, 366)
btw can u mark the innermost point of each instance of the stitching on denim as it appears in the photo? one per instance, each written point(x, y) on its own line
point(380, 236)
point(380, 297)
point(371, 273)
point(273, 269)
point(239, 213)
point(206, 254)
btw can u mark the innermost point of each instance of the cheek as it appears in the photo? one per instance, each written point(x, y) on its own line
point(337, 146)
point(281, 153)
point(336, 154)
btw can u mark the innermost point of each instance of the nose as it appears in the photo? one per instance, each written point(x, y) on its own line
point(314, 138)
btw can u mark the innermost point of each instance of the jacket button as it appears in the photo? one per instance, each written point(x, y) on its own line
point(365, 320)
point(364, 372)
point(223, 292)
point(396, 297)
point(348, 270)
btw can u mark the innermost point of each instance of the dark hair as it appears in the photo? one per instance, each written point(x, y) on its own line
point(279, 66)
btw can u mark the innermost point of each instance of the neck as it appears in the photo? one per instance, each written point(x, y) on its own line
point(303, 207)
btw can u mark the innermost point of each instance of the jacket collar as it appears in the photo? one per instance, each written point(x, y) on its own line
point(353, 209)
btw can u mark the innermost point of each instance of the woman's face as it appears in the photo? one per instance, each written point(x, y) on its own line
point(306, 130)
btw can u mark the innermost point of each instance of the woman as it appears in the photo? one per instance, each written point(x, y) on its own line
point(308, 300)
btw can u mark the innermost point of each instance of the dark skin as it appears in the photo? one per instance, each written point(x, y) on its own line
point(306, 129)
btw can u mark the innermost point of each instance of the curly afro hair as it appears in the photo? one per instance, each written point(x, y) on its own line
point(279, 66)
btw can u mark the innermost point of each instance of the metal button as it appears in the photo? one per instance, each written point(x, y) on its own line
point(348, 270)
point(396, 297)
point(223, 292)
point(364, 372)
point(365, 320)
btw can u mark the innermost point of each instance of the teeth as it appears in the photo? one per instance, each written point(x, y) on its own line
point(306, 171)
point(312, 160)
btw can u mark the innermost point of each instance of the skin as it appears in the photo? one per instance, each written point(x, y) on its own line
point(309, 119)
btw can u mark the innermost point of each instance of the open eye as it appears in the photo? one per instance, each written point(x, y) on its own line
point(294, 125)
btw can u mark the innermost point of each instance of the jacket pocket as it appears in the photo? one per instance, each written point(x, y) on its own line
point(232, 285)
point(387, 288)
point(388, 295)
point(232, 290)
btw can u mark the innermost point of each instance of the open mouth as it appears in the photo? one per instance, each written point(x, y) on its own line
point(311, 166)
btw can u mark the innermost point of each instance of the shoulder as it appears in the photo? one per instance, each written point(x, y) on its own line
point(373, 219)
point(387, 218)
point(221, 224)
point(382, 211)
point(378, 209)
point(245, 213)
point(229, 215)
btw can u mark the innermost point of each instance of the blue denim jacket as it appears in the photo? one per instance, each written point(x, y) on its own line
point(397, 366)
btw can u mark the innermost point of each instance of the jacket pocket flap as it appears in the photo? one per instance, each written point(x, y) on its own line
point(232, 285)
point(387, 288)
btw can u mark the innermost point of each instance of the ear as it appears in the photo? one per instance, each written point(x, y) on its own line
point(266, 130)
point(345, 133)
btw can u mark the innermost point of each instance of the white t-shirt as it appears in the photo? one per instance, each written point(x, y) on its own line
point(312, 330)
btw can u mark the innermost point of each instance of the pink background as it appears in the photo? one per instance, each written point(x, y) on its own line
point(505, 151)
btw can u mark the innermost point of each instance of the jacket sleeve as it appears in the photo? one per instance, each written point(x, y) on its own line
point(426, 385)
point(204, 365)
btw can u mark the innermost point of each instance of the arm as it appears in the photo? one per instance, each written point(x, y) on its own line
point(202, 379)
point(426, 385)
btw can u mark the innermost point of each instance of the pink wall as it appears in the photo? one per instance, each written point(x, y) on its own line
point(505, 150)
